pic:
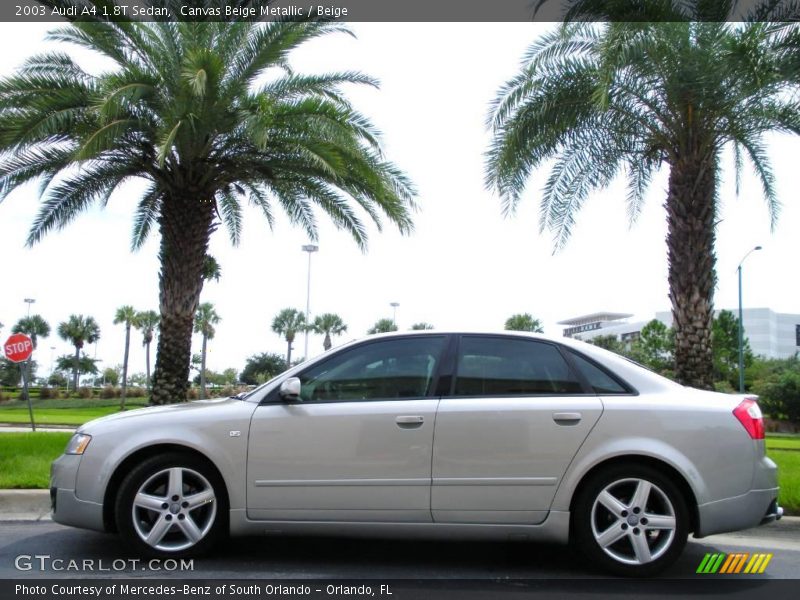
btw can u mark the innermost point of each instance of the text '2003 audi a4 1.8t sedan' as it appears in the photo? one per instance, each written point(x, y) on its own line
point(497, 436)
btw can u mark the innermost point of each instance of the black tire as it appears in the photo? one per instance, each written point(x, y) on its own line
point(192, 511)
point(652, 549)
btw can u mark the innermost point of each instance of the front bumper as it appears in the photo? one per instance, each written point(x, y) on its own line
point(67, 508)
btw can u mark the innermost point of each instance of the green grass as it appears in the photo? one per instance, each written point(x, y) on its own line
point(72, 411)
point(784, 442)
point(788, 463)
point(25, 458)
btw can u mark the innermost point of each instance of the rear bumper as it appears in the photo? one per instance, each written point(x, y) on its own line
point(756, 507)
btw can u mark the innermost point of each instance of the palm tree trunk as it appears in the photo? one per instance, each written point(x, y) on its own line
point(185, 224)
point(75, 368)
point(147, 365)
point(327, 343)
point(690, 239)
point(125, 367)
point(288, 354)
point(203, 370)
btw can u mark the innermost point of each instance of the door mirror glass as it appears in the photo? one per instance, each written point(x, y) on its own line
point(290, 389)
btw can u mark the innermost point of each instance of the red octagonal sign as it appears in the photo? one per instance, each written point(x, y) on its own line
point(18, 347)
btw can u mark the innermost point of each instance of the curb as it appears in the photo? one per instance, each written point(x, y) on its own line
point(24, 505)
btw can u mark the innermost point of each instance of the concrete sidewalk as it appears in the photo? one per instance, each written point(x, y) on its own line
point(24, 505)
point(9, 428)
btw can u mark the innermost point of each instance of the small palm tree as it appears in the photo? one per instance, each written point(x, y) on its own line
point(204, 321)
point(637, 93)
point(35, 327)
point(125, 315)
point(383, 326)
point(523, 322)
point(288, 323)
point(328, 324)
point(421, 326)
point(78, 330)
point(147, 323)
point(211, 269)
point(211, 117)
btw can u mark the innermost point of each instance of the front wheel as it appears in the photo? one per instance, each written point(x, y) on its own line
point(631, 520)
point(171, 506)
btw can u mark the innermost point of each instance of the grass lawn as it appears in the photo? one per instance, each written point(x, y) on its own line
point(783, 442)
point(73, 411)
point(788, 462)
point(25, 458)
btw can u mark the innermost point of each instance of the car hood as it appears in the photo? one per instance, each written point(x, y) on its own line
point(167, 411)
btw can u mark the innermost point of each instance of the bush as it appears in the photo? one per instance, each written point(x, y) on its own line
point(228, 390)
point(780, 395)
point(4, 397)
point(192, 394)
point(84, 392)
point(46, 393)
point(136, 392)
point(109, 392)
point(724, 387)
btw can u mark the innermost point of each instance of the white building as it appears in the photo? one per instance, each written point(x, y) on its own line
point(771, 334)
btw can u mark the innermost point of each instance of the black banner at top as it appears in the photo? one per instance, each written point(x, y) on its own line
point(399, 10)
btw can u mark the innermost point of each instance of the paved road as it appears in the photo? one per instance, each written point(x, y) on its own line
point(337, 558)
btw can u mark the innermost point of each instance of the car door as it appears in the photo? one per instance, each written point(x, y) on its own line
point(357, 446)
point(505, 436)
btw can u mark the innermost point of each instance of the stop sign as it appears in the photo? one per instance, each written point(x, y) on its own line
point(18, 347)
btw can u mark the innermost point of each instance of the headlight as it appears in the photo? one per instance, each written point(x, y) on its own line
point(78, 443)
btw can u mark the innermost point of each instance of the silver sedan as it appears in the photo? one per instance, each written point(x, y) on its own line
point(472, 435)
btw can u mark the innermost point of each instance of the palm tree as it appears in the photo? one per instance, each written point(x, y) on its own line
point(35, 327)
point(204, 321)
point(125, 315)
point(186, 109)
point(383, 326)
point(288, 323)
point(421, 326)
point(211, 269)
point(523, 322)
point(78, 330)
point(632, 97)
point(147, 322)
point(328, 324)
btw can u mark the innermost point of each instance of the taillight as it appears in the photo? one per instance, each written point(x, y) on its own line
point(749, 415)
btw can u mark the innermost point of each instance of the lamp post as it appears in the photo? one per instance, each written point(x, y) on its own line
point(394, 306)
point(310, 248)
point(29, 301)
point(741, 325)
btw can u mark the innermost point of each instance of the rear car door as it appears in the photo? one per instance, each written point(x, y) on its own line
point(358, 444)
point(506, 434)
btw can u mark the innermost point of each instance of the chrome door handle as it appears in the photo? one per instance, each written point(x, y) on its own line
point(567, 418)
point(408, 421)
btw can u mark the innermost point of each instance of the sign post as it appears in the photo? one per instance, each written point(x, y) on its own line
point(18, 349)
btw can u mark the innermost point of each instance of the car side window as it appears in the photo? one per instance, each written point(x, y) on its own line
point(380, 370)
point(489, 366)
point(601, 382)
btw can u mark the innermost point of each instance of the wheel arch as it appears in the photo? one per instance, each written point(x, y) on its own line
point(639, 459)
point(141, 454)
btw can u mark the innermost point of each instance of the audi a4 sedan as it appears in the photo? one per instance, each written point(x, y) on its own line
point(431, 434)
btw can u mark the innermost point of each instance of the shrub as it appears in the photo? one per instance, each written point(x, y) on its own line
point(780, 396)
point(84, 392)
point(109, 392)
point(136, 392)
point(192, 394)
point(228, 390)
point(46, 393)
point(4, 397)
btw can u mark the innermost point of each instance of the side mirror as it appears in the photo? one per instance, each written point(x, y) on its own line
point(290, 389)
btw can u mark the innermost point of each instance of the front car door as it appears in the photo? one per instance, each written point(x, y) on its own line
point(506, 434)
point(357, 445)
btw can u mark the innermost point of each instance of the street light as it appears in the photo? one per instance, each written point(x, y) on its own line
point(310, 248)
point(394, 306)
point(29, 301)
point(741, 325)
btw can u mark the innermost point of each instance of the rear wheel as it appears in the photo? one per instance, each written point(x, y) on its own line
point(172, 505)
point(631, 520)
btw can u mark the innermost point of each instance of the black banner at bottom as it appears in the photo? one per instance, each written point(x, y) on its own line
point(398, 589)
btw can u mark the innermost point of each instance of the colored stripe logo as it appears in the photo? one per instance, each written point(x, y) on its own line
point(740, 562)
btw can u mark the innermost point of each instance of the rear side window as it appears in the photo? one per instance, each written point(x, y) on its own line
point(489, 366)
point(601, 382)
